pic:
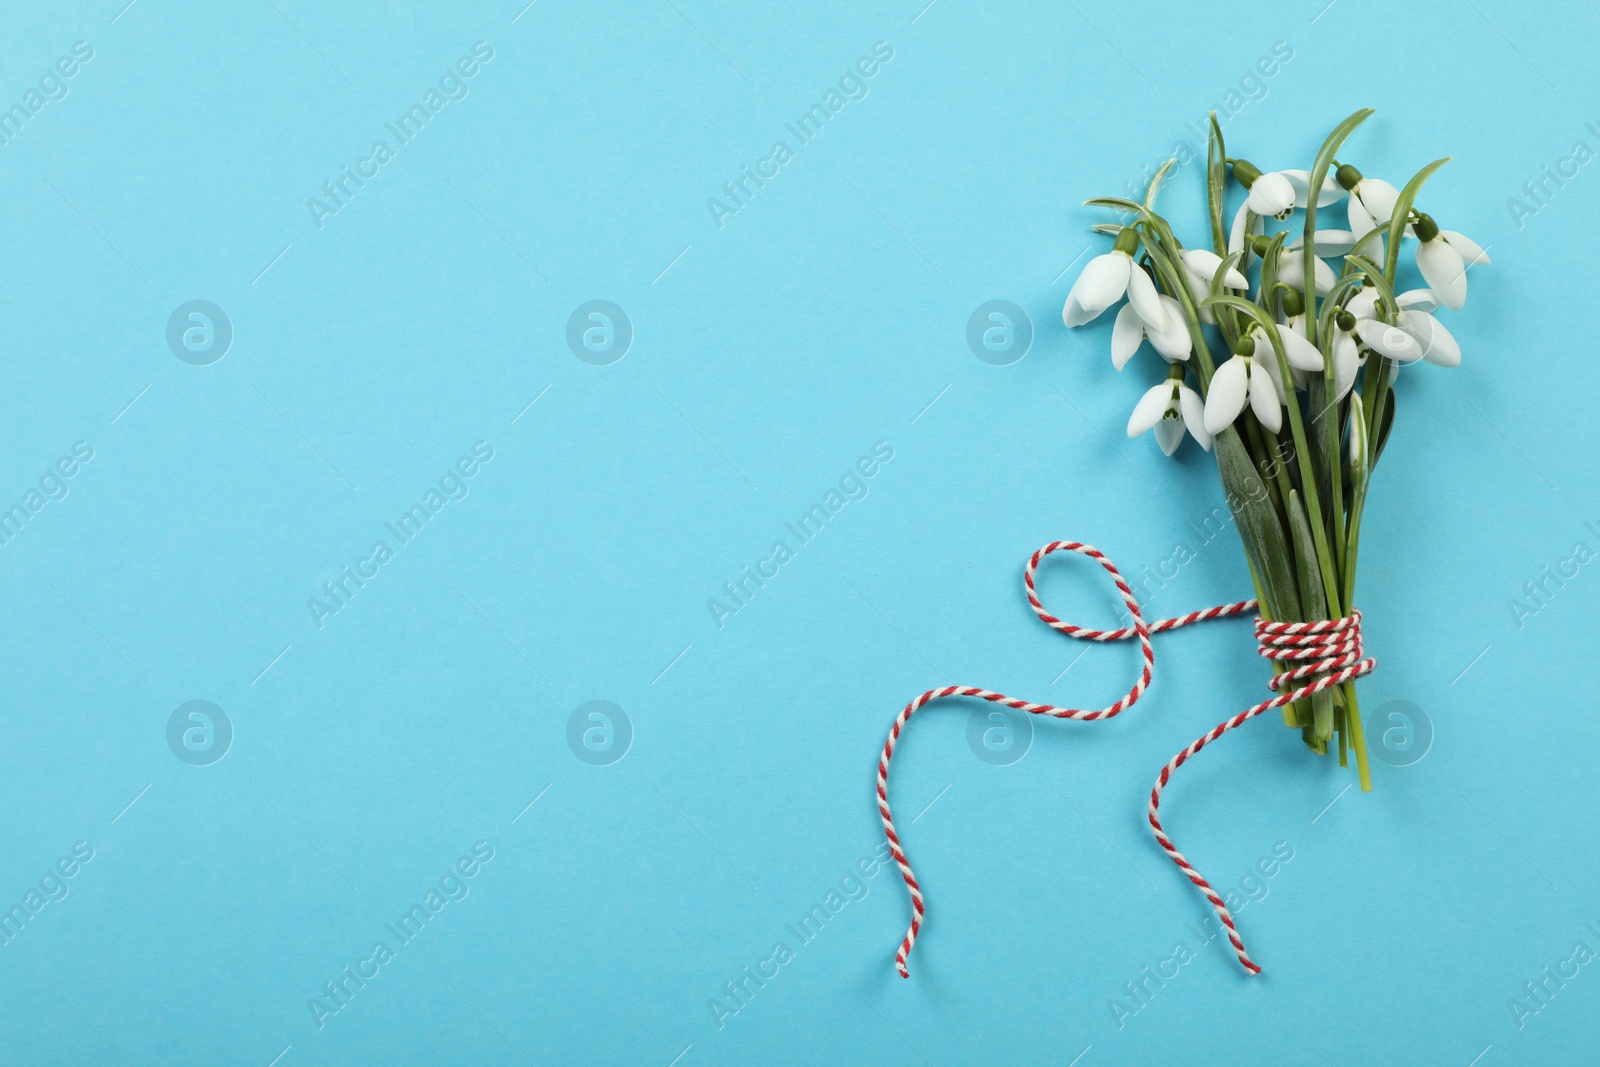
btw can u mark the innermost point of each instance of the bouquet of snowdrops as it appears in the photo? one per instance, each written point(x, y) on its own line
point(1283, 350)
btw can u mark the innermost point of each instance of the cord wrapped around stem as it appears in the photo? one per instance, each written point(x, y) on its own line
point(1326, 654)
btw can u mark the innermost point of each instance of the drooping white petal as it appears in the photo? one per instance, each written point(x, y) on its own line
point(1150, 409)
point(1145, 300)
point(1329, 242)
point(1332, 191)
point(1272, 194)
point(1194, 415)
point(1418, 300)
point(1201, 291)
point(1225, 399)
point(1103, 282)
point(1388, 340)
point(1204, 265)
point(1346, 363)
point(1174, 342)
point(1236, 236)
point(1266, 360)
point(1126, 333)
point(1469, 249)
point(1292, 269)
point(1444, 271)
point(1169, 434)
point(1301, 354)
point(1361, 221)
point(1438, 346)
point(1264, 398)
point(1364, 304)
point(1378, 197)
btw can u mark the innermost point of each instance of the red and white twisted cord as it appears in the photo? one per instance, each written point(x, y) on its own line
point(1328, 652)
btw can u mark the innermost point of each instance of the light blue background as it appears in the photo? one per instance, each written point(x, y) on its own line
point(769, 355)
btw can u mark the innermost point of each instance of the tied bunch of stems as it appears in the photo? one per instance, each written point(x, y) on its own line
point(1315, 334)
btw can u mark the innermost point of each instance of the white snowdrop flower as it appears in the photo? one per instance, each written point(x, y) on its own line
point(1108, 278)
point(1270, 194)
point(1387, 340)
point(1203, 265)
point(1300, 353)
point(1348, 358)
point(1372, 200)
point(1171, 408)
point(1172, 341)
point(1292, 271)
point(1300, 180)
point(1236, 235)
point(1419, 300)
point(1442, 257)
point(1364, 304)
point(1242, 379)
point(1438, 346)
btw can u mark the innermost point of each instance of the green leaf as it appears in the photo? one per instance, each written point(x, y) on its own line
point(1216, 184)
point(1319, 173)
point(1402, 215)
point(1388, 424)
point(1257, 521)
point(1155, 184)
point(1312, 600)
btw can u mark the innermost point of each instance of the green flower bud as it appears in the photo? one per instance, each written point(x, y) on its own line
point(1347, 177)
